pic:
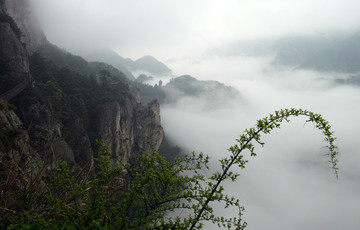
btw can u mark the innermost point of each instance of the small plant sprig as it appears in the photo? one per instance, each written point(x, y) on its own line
point(246, 142)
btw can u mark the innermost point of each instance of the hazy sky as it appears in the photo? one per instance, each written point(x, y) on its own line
point(170, 29)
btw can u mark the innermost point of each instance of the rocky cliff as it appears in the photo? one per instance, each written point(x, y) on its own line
point(64, 110)
point(130, 129)
point(15, 77)
point(15, 149)
point(14, 63)
point(21, 12)
point(19, 161)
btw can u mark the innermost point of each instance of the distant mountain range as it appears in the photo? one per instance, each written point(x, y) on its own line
point(340, 55)
point(322, 52)
point(147, 63)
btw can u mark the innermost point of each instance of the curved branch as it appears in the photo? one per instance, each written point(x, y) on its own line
point(266, 125)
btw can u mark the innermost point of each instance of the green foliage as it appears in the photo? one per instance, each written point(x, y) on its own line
point(98, 198)
point(77, 64)
point(169, 150)
point(62, 58)
point(154, 194)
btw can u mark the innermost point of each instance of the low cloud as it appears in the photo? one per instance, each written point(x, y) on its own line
point(290, 184)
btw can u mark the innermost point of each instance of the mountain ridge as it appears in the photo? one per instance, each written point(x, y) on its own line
point(72, 103)
point(147, 63)
point(338, 52)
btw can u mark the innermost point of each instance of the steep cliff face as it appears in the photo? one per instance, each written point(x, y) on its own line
point(45, 133)
point(15, 77)
point(13, 137)
point(21, 12)
point(14, 63)
point(66, 110)
point(148, 128)
point(130, 129)
point(19, 161)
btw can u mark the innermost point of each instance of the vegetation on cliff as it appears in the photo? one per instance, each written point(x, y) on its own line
point(71, 98)
point(156, 194)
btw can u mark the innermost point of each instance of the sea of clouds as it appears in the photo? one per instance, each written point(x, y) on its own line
point(289, 185)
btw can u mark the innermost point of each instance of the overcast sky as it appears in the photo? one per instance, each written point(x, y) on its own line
point(170, 29)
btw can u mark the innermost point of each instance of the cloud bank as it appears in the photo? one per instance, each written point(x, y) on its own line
point(290, 184)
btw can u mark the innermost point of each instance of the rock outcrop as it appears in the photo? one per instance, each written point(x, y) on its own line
point(130, 129)
point(32, 34)
point(18, 159)
point(45, 133)
point(14, 63)
point(15, 77)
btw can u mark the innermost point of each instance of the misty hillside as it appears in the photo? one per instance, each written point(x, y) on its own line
point(190, 86)
point(321, 52)
point(342, 56)
point(295, 50)
point(64, 59)
point(112, 58)
point(143, 78)
point(212, 94)
point(151, 65)
point(147, 63)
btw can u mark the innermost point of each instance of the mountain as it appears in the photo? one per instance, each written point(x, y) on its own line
point(14, 65)
point(337, 52)
point(340, 56)
point(111, 57)
point(61, 104)
point(146, 64)
point(150, 65)
point(211, 94)
point(295, 50)
point(64, 59)
point(14, 70)
point(32, 34)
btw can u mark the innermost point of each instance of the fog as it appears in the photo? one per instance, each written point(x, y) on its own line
point(177, 29)
point(290, 184)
